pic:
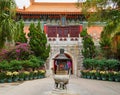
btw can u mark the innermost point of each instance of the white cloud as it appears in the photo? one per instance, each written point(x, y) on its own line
point(21, 3)
point(56, 0)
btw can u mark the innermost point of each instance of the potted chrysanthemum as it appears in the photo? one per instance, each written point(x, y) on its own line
point(104, 75)
point(117, 76)
point(35, 74)
point(42, 73)
point(31, 75)
point(21, 76)
point(9, 76)
point(92, 74)
point(15, 76)
point(83, 74)
point(98, 75)
point(26, 75)
point(110, 75)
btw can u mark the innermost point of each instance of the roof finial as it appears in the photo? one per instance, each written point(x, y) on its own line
point(32, 1)
point(24, 8)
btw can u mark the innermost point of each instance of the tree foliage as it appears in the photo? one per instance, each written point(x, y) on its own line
point(20, 35)
point(101, 10)
point(38, 41)
point(88, 50)
point(104, 11)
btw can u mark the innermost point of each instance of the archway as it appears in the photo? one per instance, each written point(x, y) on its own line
point(51, 63)
point(63, 66)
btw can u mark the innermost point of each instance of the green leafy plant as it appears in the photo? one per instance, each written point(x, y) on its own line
point(16, 65)
point(113, 64)
point(89, 50)
point(101, 64)
point(21, 75)
point(2, 75)
point(87, 63)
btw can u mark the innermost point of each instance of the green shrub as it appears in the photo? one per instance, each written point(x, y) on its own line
point(103, 64)
point(27, 64)
point(36, 61)
point(2, 75)
point(87, 63)
point(113, 64)
point(16, 65)
point(5, 66)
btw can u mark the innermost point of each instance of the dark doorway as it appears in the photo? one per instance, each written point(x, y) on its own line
point(62, 65)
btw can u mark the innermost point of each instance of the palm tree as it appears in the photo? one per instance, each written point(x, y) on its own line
point(7, 23)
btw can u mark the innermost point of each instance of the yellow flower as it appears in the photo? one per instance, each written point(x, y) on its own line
point(15, 73)
point(42, 71)
point(35, 71)
point(93, 71)
point(115, 72)
point(9, 73)
point(26, 72)
point(102, 72)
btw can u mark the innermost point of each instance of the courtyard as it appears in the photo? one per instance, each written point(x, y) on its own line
point(59, 48)
point(76, 86)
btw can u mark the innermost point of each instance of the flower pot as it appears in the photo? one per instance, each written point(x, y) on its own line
point(104, 78)
point(21, 79)
point(117, 79)
point(88, 77)
point(38, 77)
point(2, 80)
point(98, 78)
point(110, 79)
point(30, 78)
point(43, 76)
point(84, 76)
point(35, 77)
point(92, 77)
point(26, 78)
point(15, 79)
point(9, 80)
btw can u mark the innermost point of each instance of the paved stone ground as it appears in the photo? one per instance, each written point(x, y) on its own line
point(76, 86)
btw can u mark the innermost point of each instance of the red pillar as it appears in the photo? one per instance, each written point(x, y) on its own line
point(81, 28)
point(45, 29)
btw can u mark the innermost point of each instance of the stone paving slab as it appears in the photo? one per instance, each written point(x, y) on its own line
point(61, 92)
point(76, 86)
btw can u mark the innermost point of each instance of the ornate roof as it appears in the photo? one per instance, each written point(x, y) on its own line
point(51, 8)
